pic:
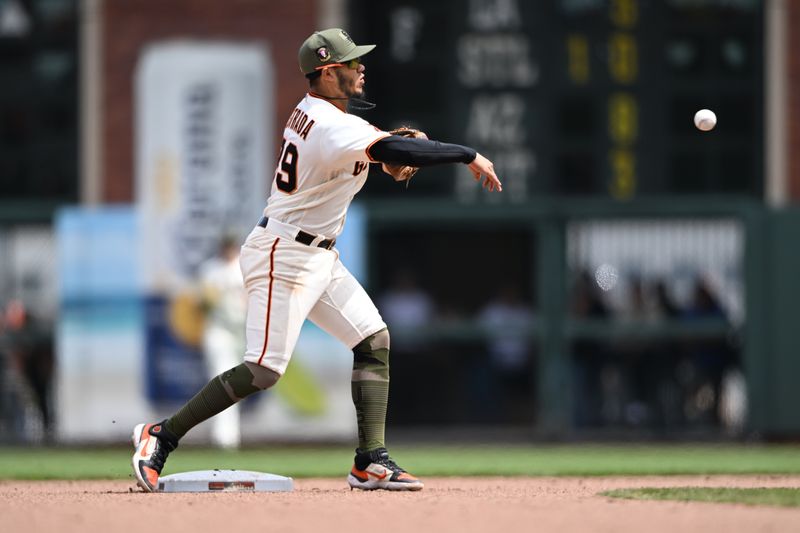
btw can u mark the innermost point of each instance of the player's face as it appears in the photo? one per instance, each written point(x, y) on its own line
point(351, 80)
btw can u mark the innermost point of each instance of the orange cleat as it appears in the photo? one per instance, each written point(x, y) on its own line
point(376, 470)
point(153, 442)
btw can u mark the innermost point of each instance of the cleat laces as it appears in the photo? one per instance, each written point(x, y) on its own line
point(391, 465)
point(160, 454)
point(159, 457)
point(383, 459)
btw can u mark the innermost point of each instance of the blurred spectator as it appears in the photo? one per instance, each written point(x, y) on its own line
point(408, 310)
point(706, 359)
point(649, 392)
point(405, 307)
point(28, 354)
point(632, 372)
point(594, 380)
point(639, 306)
point(732, 405)
point(665, 305)
point(668, 403)
point(506, 319)
point(225, 304)
point(704, 303)
point(8, 409)
point(586, 300)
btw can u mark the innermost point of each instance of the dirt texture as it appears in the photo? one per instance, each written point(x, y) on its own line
point(446, 504)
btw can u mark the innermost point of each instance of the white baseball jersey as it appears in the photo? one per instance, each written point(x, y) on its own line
point(322, 164)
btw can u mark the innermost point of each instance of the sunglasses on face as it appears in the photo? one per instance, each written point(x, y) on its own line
point(352, 64)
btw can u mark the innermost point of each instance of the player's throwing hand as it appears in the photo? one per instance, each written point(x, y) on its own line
point(483, 167)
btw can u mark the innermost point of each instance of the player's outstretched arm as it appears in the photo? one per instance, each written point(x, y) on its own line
point(481, 166)
point(410, 153)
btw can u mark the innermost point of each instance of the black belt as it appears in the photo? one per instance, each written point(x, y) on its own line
point(303, 237)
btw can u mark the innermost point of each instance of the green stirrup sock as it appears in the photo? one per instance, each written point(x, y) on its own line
point(212, 399)
point(370, 388)
point(219, 394)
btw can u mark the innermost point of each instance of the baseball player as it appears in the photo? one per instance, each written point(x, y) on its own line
point(225, 304)
point(291, 268)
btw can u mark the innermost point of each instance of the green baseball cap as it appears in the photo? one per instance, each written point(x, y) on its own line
point(329, 46)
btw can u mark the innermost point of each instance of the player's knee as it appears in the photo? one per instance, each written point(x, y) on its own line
point(377, 342)
point(247, 378)
point(381, 339)
point(263, 377)
point(371, 357)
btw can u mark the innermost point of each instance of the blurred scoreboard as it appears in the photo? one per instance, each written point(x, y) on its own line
point(573, 97)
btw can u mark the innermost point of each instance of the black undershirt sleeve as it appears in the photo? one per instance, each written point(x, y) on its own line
point(419, 152)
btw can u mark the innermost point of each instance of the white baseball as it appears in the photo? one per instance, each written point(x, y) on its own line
point(705, 120)
point(606, 276)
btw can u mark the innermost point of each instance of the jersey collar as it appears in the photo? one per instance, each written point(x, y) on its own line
point(324, 99)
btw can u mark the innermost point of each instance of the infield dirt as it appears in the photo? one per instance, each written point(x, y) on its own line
point(447, 504)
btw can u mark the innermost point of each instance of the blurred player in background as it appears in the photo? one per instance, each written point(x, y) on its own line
point(292, 270)
point(225, 304)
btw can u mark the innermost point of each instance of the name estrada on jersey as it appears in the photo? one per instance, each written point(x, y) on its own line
point(323, 162)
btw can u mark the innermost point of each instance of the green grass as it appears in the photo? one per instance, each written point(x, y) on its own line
point(517, 460)
point(779, 497)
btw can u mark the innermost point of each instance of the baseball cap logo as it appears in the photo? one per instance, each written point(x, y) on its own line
point(346, 37)
point(323, 54)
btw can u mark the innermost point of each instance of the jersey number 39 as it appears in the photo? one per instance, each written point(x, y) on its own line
point(286, 175)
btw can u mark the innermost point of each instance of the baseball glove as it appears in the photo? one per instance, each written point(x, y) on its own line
point(403, 172)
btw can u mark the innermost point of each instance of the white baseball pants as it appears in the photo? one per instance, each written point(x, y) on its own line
point(286, 283)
